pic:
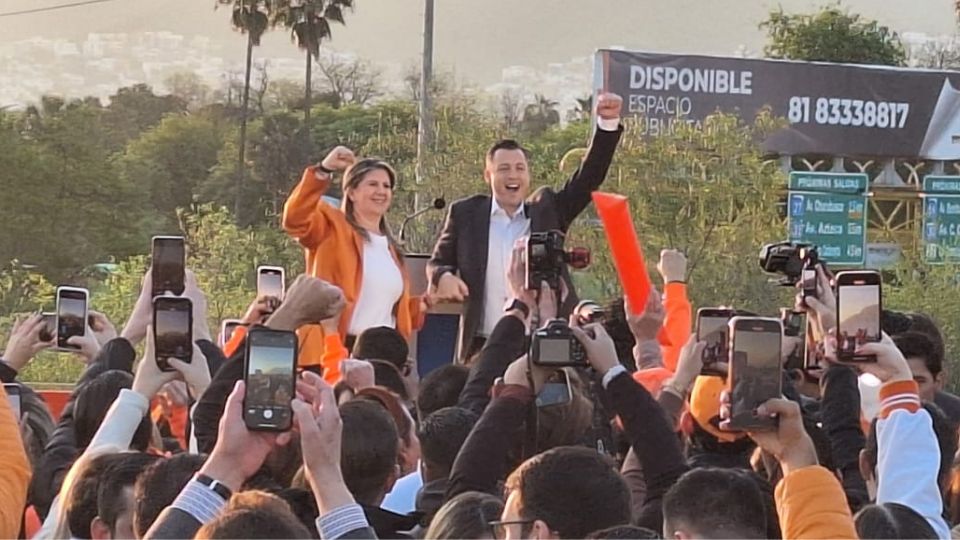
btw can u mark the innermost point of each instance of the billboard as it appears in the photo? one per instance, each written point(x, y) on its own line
point(835, 109)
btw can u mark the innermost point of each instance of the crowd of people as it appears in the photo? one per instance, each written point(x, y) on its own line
point(637, 448)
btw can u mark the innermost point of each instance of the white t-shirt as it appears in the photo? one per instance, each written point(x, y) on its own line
point(381, 286)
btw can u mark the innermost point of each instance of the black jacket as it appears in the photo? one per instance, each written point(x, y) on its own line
point(463, 243)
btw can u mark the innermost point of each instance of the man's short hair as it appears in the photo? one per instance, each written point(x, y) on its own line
point(382, 343)
point(80, 505)
point(112, 493)
point(92, 402)
point(388, 376)
point(254, 523)
point(442, 434)
point(441, 388)
point(919, 345)
point(943, 428)
point(715, 503)
point(892, 520)
point(159, 485)
point(369, 449)
point(574, 490)
point(627, 532)
point(505, 144)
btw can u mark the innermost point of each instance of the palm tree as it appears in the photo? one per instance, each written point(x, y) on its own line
point(309, 24)
point(251, 17)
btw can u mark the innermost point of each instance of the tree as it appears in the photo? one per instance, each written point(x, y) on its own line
point(251, 17)
point(189, 88)
point(831, 35)
point(309, 24)
point(134, 109)
point(938, 53)
point(350, 80)
point(539, 116)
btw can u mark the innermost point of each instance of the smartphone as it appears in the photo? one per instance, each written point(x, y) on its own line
point(794, 337)
point(167, 265)
point(808, 281)
point(172, 330)
point(49, 329)
point(556, 391)
point(269, 371)
point(755, 371)
point(71, 316)
point(227, 326)
point(858, 313)
point(712, 330)
point(13, 394)
point(813, 352)
point(270, 283)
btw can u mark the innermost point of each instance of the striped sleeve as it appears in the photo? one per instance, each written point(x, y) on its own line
point(199, 501)
point(339, 522)
point(899, 395)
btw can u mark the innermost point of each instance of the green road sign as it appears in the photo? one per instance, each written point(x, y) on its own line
point(941, 219)
point(829, 210)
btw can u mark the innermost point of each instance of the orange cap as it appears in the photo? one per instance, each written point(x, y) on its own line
point(705, 406)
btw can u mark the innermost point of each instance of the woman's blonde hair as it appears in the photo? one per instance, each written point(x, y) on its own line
point(351, 179)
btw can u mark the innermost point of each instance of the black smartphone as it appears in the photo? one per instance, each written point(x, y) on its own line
point(270, 363)
point(172, 330)
point(556, 391)
point(271, 283)
point(49, 329)
point(755, 371)
point(167, 265)
point(859, 306)
point(71, 316)
point(712, 330)
point(794, 337)
point(13, 394)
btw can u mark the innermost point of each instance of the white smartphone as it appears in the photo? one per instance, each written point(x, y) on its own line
point(272, 284)
point(71, 316)
point(227, 326)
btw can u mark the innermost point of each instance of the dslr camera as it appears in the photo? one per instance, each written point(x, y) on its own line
point(546, 257)
point(789, 259)
point(554, 345)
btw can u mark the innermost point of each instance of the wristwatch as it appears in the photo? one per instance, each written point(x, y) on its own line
point(518, 305)
point(215, 485)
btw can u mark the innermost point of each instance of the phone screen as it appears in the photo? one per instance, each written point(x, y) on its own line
point(227, 331)
point(13, 394)
point(713, 331)
point(49, 329)
point(858, 308)
point(755, 372)
point(172, 327)
point(554, 351)
point(168, 262)
point(71, 316)
point(809, 279)
point(270, 283)
point(270, 366)
point(556, 391)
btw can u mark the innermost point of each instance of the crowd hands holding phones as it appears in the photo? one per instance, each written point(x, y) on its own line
point(591, 421)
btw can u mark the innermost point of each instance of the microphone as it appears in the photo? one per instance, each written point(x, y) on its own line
point(438, 204)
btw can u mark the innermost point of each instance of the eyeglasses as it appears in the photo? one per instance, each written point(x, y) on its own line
point(500, 527)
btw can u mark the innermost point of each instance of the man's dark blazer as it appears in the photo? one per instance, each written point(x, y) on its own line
point(463, 243)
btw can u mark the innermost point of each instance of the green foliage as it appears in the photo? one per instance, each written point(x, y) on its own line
point(832, 35)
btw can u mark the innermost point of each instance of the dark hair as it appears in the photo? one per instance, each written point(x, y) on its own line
point(303, 505)
point(715, 503)
point(391, 403)
point(574, 490)
point(626, 532)
point(943, 428)
point(92, 402)
point(112, 493)
point(441, 388)
point(351, 179)
point(919, 345)
point(467, 516)
point(892, 520)
point(254, 523)
point(369, 449)
point(382, 343)
point(159, 485)
point(39, 423)
point(441, 436)
point(80, 505)
point(505, 144)
point(897, 322)
point(386, 375)
point(566, 425)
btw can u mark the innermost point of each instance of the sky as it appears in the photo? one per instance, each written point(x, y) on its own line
point(477, 40)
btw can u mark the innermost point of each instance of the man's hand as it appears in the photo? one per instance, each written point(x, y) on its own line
point(339, 159)
point(689, 365)
point(790, 443)
point(257, 311)
point(239, 452)
point(89, 345)
point(358, 374)
point(646, 326)
point(516, 374)
point(198, 301)
point(601, 352)
point(451, 288)
point(321, 429)
point(672, 266)
point(609, 106)
point(890, 365)
point(136, 328)
point(25, 342)
point(149, 378)
point(196, 373)
point(102, 328)
point(822, 309)
point(309, 301)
